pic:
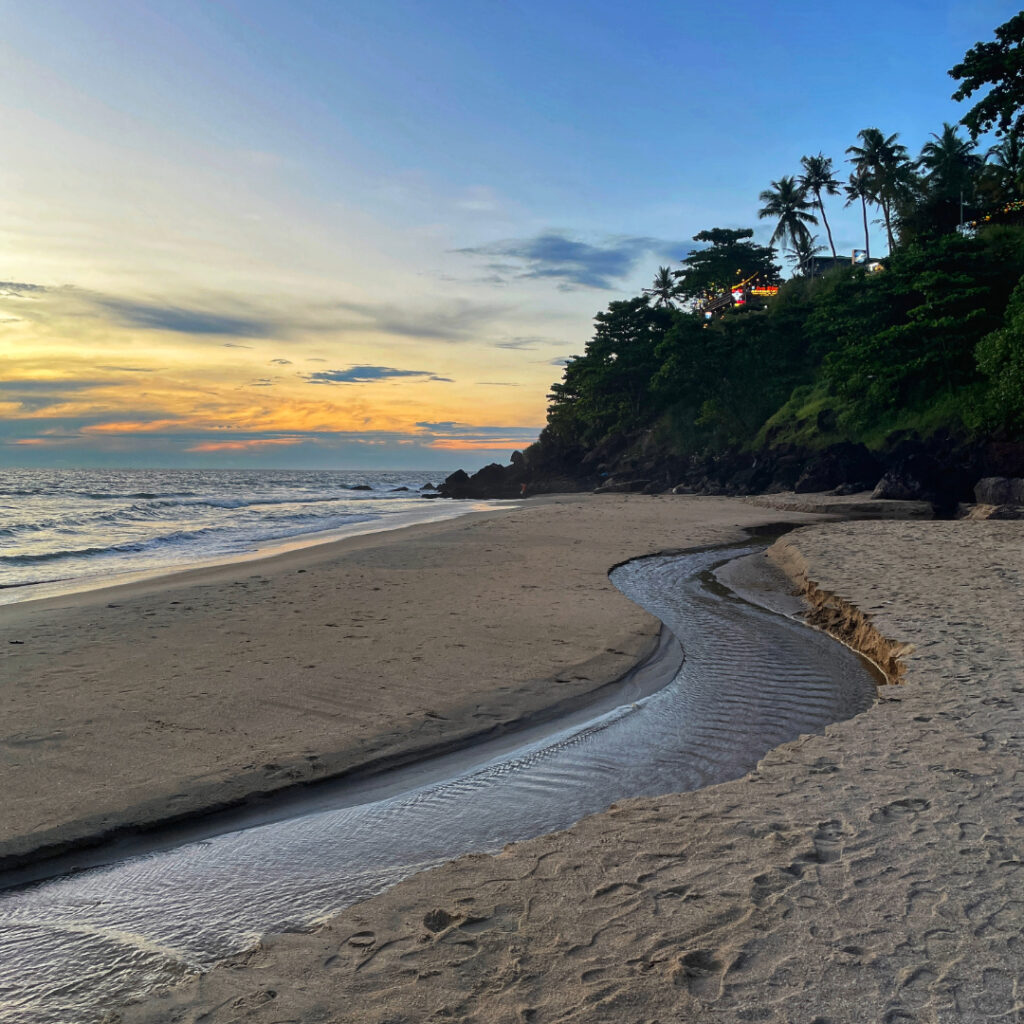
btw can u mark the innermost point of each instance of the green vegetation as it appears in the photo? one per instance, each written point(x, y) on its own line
point(931, 340)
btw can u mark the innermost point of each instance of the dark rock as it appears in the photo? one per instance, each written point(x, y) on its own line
point(428, 487)
point(360, 487)
point(557, 485)
point(621, 486)
point(912, 478)
point(456, 485)
point(999, 490)
point(786, 471)
point(493, 481)
point(1007, 512)
point(923, 477)
point(1002, 458)
point(843, 463)
point(395, 490)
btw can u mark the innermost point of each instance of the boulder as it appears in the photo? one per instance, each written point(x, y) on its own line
point(999, 490)
point(913, 478)
point(493, 481)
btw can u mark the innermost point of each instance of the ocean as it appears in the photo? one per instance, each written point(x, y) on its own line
point(87, 527)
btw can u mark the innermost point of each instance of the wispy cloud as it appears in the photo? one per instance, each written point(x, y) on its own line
point(282, 362)
point(452, 436)
point(137, 426)
point(236, 320)
point(19, 289)
point(521, 344)
point(369, 374)
point(49, 384)
point(573, 263)
point(32, 395)
point(164, 436)
point(182, 320)
point(457, 320)
point(248, 445)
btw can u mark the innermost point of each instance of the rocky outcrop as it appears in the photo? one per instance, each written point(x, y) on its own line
point(844, 465)
point(942, 470)
point(519, 479)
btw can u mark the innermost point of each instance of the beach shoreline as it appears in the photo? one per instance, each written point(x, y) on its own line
point(135, 705)
point(437, 512)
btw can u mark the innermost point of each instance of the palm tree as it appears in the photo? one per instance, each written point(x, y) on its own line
point(1004, 166)
point(886, 169)
point(951, 164)
point(802, 254)
point(787, 201)
point(819, 177)
point(856, 188)
point(665, 288)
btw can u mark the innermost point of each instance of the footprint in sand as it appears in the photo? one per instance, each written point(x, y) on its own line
point(900, 810)
point(701, 973)
point(438, 920)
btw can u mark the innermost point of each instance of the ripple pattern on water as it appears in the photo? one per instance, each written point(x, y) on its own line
point(750, 680)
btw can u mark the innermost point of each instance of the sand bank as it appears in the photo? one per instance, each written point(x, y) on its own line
point(163, 698)
point(870, 874)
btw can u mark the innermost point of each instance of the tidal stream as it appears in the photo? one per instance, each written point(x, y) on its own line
point(75, 946)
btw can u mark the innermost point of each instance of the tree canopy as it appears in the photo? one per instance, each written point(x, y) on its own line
point(1000, 65)
point(729, 259)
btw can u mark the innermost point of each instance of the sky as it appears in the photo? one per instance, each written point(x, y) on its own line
point(347, 234)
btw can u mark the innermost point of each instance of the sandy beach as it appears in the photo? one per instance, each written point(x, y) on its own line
point(130, 705)
point(871, 873)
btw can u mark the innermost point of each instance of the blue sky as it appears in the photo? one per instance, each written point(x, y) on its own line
point(309, 233)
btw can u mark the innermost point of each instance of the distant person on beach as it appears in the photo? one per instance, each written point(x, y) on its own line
point(522, 490)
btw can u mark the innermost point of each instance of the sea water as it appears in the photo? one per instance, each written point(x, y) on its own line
point(81, 525)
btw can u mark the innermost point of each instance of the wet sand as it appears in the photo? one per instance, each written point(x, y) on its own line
point(164, 698)
point(871, 873)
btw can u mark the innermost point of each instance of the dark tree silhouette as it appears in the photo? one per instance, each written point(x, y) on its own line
point(819, 177)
